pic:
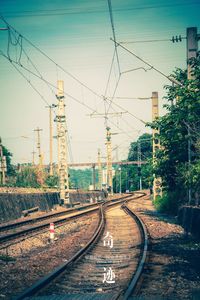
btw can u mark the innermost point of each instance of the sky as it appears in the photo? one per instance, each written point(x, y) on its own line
point(76, 36)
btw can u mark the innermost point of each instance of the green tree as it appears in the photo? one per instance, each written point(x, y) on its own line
point(27, 177)
point(179, 128)
point(10, 167)
point(145, 141)
point(81, 178)
point(129, 173)
point(52, 181)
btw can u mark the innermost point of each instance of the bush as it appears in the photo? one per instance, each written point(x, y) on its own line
point(168, 203)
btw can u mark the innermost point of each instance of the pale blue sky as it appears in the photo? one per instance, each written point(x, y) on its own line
point(76, 34)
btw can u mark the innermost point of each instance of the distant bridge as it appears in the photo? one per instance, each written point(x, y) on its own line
point(95, 164)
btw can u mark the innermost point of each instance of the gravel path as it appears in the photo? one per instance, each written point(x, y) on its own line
point(35, 257)
point(173, 269)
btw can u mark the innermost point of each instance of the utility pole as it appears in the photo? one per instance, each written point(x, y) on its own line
point(38, 130)
point(3, 165)
point(40, 163)
point(157, 183)
point(62, 146)
point(94, 176)
point(33, 157)
point(99, 170)
point(192, 48)
point(109, 161)
point(139, 165)
point(120, 180)
point(50, 141)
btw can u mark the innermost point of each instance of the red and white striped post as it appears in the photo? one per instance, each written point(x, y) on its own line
point(52, 232)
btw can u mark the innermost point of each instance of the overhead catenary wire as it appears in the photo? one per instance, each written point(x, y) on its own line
point(148, 64)
point(45, 101)
point(77, 10)
point(113, 32)
point(72, 76)
point(42, 97)
point(49, 84)
point(46, 81)
point(54, 86)
point(148, 41)
point(48, 57)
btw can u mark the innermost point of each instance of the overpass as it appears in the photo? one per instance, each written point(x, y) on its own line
point(95, 164)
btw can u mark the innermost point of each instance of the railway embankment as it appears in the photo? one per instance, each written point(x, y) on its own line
point(14, 202)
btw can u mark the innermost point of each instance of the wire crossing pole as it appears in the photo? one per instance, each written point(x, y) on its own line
point(157, 182)
point(62, 146)
point(99, 171)
point(109, 161)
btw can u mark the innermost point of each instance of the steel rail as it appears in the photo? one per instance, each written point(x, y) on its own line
point(133, 283)
point(48, 278)
point(44, 217)
point(45, 226)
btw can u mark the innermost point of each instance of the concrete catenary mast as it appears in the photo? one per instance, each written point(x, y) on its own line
point(62, 146)
point(99, 170)
point(109, 161)
point(157, 183)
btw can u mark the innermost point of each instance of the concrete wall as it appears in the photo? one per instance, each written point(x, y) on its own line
point(189, 218)
point(12, 205)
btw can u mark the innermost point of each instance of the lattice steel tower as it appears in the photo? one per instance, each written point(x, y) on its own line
point(62, 146)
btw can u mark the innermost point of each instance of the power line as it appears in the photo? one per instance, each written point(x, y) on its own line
point(109, 76)
point(149, 41)
point(63, 11)
point(148, 64)
point(113, 31)
point(52, 85)
point(58, 66)
point(48, 57)
point(48, 82)
point(28, 80)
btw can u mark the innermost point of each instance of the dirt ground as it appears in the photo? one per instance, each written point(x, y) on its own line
point(173, 267)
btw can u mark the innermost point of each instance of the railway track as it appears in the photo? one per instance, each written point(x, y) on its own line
point(108, 267)
point(10, 233)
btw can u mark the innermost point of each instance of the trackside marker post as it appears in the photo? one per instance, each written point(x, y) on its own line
point(52, 232)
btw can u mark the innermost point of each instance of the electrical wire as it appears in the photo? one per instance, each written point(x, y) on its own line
point(46, 81)
point(48, 57)
point(113, 32)
point(28, 80)
point(146, 63)
point(148, 41)
point(50, 84)
point(59, 12)
point(60, 67)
